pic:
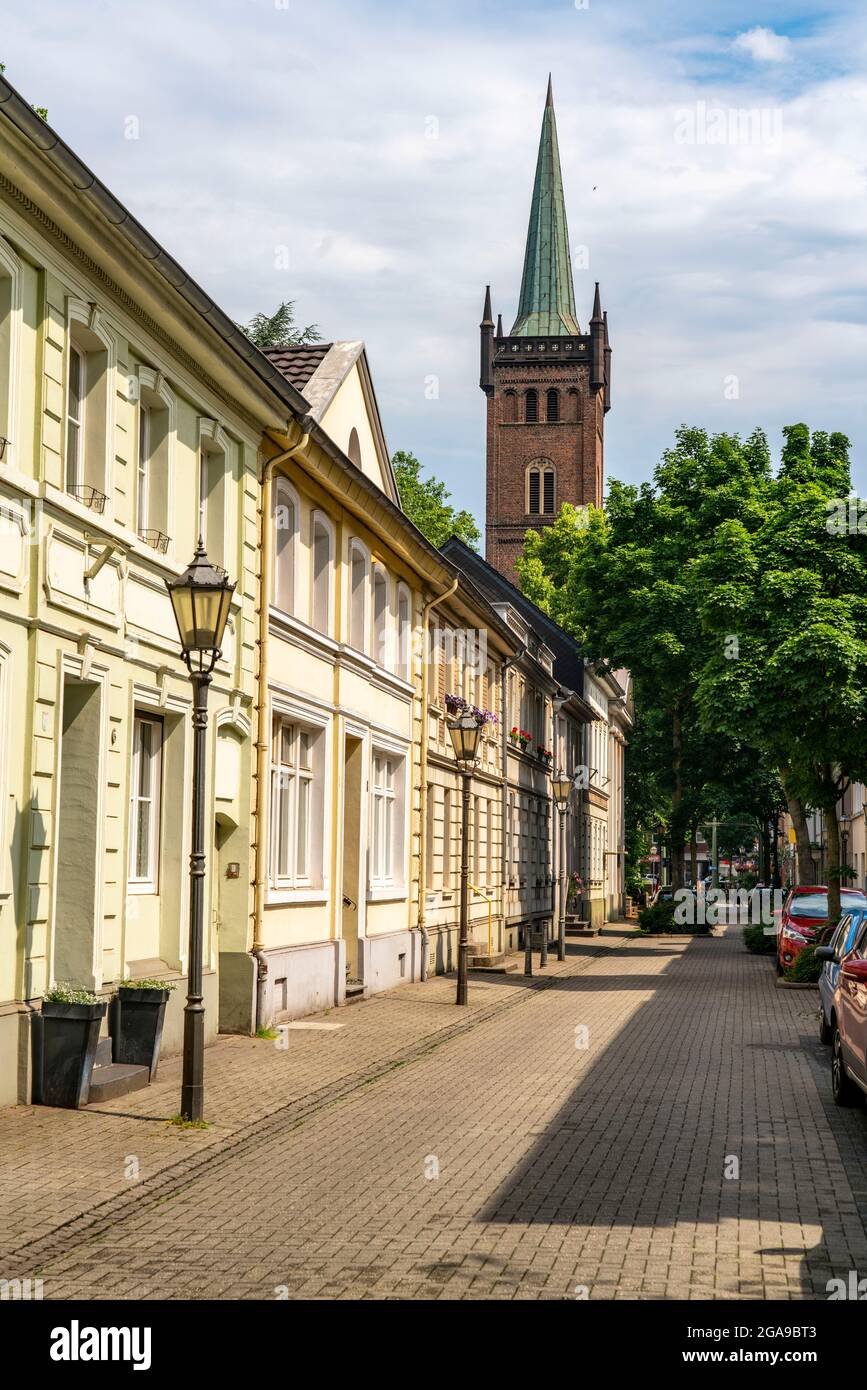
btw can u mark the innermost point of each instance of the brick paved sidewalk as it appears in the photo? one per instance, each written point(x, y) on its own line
point(56, 1165)
point(568, 1137)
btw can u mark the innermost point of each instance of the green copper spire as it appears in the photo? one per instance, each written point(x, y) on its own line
point(547, 304)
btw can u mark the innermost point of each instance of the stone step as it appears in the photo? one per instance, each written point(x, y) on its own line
point(116, 1079)
point(583, 931)
point(354, 990)
point(499, 967)
point(103, 1053)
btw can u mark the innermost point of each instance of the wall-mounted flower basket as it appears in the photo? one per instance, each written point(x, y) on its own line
point(70, 1032)
point(140, 1010)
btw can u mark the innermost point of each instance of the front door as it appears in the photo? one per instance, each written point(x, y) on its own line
point(353, 796)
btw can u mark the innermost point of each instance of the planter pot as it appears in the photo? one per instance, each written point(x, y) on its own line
point(70, 1033)
point(139, 1027)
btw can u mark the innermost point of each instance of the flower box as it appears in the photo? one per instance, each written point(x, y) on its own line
point(139, 1016)
point(70, 1033)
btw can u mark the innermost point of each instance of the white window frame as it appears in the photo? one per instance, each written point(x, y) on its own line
point(380, 627)
point(78, 355)
point(387, 837)
point(293, 778)
point(142, 493)
point(404, 633)
point(358, 641)
point(321, 519)
point(286, 496)
point(149, 881)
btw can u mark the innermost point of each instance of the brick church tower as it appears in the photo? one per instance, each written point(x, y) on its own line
point(548, 384)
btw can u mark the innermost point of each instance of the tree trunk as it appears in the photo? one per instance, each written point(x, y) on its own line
point(776, 881)
point(765, 852)
point(677, 844)
point(802, 832)
point(832, 830)
point(693, 855)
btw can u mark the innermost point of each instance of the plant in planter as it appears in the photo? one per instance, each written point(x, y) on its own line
point(524, 739)
point(71, 1021)
point(574, 892)
point(544, 753)
point(140, 1010)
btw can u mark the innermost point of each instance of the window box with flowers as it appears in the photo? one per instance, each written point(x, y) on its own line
point(544, 753)
point(521, 738)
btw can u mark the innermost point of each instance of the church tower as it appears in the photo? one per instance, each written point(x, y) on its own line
point(548, 384)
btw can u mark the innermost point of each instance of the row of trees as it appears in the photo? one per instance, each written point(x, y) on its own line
point(738, 600)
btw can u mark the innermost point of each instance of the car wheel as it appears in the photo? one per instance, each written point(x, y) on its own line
point(843, 1088)
point(824, 1028)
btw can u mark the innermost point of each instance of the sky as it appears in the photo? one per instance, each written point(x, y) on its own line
point(373, 161)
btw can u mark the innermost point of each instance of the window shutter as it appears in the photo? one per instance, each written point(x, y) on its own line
point(549, 490)
point(534, 491)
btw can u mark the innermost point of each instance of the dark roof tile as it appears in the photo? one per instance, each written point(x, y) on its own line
point(297, 361)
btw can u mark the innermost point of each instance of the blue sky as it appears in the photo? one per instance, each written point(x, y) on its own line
point(374, 162)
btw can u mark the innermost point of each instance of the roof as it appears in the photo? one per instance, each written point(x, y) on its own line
point(547, 303)
point(297, 361)
point(568, 655)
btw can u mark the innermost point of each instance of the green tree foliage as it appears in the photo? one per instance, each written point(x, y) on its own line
point(786, 596)
point(279, 329)
point(426, 503)
point(622, 582)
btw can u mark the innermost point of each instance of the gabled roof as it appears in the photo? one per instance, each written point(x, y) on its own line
point(324, 368)
point(297, 361)
point(547, 303)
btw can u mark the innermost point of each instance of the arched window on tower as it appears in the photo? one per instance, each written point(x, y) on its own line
point(553, 404)
point(510, 408)
point(531, 407)
point(541, 488)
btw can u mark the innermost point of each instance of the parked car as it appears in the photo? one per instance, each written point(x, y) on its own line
point(849, 1022)
point(843, 939)
point(804, 918)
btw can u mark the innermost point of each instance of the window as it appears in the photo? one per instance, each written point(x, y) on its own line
point(510, 407)
point(357, 597)
point(144, 453)
point(292, 810)
point(447, 839)
point(353, 448)
point(320, 597)
point(386, 829)
point(380, 616)
point(10, 334)
point(213, 467)
point(145, 787)
point(75, 394)
point(404, 634)
point(541, 489)
point(531, 407)
point(553, 404)
point(285, 530)
point(430, 835)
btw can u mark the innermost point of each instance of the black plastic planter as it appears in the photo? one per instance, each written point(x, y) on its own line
point(70, 1033)
point(139, 1031)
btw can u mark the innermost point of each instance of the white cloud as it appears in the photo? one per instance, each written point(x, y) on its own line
point(714, 259)
point(764, 45)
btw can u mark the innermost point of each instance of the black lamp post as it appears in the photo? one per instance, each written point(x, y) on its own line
point(200, 599)
point(465, 731)
point(561, 787)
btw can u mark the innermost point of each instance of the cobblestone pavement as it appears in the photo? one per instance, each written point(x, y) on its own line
point(564, 1137)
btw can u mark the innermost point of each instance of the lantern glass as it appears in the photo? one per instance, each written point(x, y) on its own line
point(465, 733)
point(562, 789)
point(201, 598)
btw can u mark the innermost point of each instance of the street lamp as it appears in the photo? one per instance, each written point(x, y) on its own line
point(561, 787)
point(465, 731)
point(200, 601)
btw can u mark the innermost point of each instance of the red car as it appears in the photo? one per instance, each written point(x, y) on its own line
point(849, 1023)
point(805, 917)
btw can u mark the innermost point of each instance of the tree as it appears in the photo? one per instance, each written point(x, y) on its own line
point(622, 582)
point(426, 503)
point(787, 598)
point(279, 329)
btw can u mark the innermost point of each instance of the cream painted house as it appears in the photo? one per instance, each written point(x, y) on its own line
point(131, 416)
point(347, 578)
